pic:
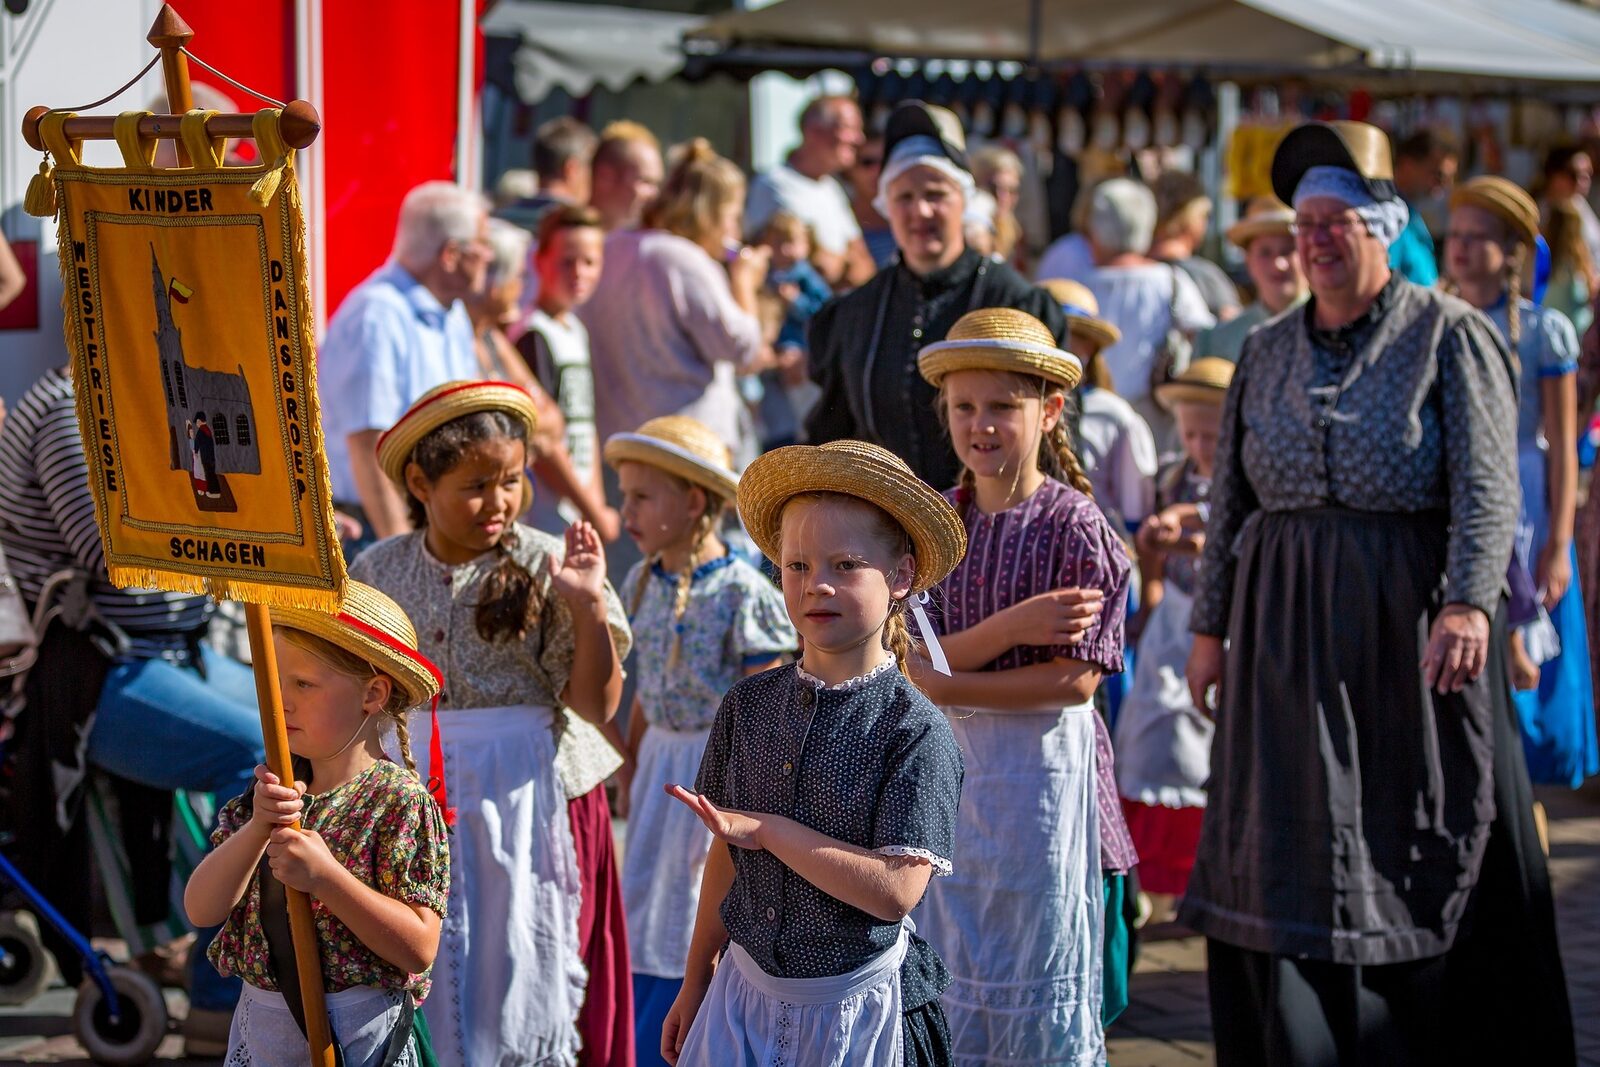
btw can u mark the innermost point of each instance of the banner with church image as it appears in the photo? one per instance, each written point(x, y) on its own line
point(188, 312)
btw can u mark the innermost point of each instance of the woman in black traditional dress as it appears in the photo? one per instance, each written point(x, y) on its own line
point(1369, 880)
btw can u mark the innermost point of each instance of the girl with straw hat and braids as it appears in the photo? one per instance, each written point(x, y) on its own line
point(1489, 246)
point(523, 626)
point(1034, 618)
point(702, 618)
point(830, 786)
point(371, 850)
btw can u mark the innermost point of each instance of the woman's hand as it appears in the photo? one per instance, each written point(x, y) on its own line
point(273, 804)
point(1204, 672)
point(1059, 617)
point(300, 859)
point(1458, 649)
point(1552, 572)
point(737, 828)
point(680, 1017)
point(580, 574)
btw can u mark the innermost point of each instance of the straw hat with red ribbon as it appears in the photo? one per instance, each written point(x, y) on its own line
point(443, 404)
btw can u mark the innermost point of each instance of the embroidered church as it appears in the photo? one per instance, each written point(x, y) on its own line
point(223, 398)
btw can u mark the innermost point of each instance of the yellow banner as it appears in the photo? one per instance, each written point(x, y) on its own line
point(189, 320)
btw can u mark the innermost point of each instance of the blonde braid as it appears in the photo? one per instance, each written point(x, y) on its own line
point(1514, 298)
point(1058, 446)
point(897, 636)
point(643, 585)
point(704, 526)
point(402, 733)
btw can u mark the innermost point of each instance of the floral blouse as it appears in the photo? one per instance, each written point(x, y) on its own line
point(735, 619)
point(442, 601)
point(387, 831)
point(870, 762)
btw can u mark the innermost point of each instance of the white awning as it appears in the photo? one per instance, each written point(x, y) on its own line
point(576, 46)
point(1502, 39)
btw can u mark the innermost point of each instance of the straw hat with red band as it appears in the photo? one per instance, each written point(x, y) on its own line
point(443, 404)
point(374, 627)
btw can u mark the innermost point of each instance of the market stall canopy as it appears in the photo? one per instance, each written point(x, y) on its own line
point(576, 46)
point(1501, 39)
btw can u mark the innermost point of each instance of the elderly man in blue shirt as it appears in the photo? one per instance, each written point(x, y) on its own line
point(397, 335)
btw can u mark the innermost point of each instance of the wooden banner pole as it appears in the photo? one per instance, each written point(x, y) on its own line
point(170, 34)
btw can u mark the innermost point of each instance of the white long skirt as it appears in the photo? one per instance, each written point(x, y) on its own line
point(1020, 920)
point(847, 1020)
point(665, 854)
point(509, 979)
point(1163, 742)
point(264, 1033)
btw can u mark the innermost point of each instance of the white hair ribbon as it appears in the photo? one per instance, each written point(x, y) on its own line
point(929, 638)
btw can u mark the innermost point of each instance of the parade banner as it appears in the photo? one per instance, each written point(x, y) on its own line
point(189, 319)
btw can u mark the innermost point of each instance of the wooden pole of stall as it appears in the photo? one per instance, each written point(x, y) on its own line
point(170, 34)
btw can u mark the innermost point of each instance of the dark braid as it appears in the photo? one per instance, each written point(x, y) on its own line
point(508, 607)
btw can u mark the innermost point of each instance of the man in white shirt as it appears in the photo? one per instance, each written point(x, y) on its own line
point(806, 185)
point(397, 335)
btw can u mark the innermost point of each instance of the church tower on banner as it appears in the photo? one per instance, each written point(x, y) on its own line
point(221, 399)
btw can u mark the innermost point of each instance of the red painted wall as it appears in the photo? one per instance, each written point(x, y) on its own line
point(388, 107)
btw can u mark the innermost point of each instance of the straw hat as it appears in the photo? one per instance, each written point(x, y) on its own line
point(678, 445)
point(1205, 381)
point(1002, 339)
point(1262, 215)
point(1503, 199)
point(1352, 145)
point(442, 404)
point(1078, 303)
point(372, 626)
point(870, 473)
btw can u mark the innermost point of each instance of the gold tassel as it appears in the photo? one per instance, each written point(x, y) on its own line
point(266, 186)
point(40, 198)
point(269, 141)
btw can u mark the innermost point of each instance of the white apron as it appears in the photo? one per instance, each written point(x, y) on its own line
point(264, 1033)
point(509, 980)
point(1163, 742)
point(1019, 922)
point(847, 1020)
point(665, 854)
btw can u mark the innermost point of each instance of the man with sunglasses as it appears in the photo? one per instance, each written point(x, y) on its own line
point(397, 335)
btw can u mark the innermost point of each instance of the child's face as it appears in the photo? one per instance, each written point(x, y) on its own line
point(569, 268)
point(472, 504)
point(658, 510)
point(1199, 426)
point(996, 422)
point(789, 247)
point(323, 708)
point(838, 575)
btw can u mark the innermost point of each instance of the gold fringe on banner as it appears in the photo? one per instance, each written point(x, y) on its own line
point(40, 199)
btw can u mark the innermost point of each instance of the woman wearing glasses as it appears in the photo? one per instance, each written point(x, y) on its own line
point(1369, 879)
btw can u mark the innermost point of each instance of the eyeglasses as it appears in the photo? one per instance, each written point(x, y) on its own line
point(1465, 238)
point(1335, 227)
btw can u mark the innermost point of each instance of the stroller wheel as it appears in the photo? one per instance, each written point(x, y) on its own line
point(25, 964)
point(140, 1024)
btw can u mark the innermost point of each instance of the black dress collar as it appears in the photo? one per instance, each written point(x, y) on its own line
point(945, 279)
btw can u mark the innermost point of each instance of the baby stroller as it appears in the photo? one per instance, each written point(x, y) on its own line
point(120, 1015)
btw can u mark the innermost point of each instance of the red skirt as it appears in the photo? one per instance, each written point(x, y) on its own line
point(1166, 840)
point(606, 1022)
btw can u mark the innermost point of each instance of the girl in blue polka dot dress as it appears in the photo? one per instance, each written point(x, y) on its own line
point(831, 787)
